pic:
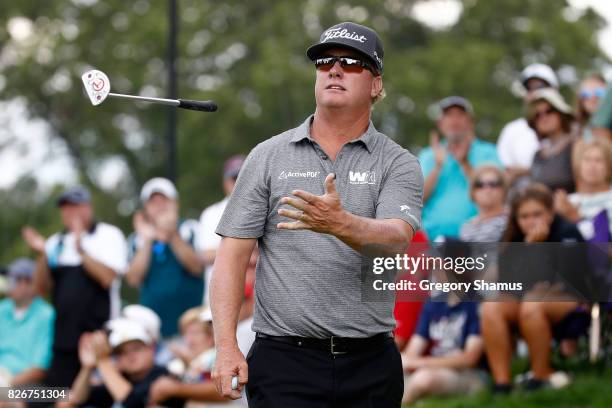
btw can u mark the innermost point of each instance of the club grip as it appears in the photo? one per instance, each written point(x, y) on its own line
point(205, 106)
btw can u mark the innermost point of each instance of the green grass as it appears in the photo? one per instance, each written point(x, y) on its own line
point(590, 388)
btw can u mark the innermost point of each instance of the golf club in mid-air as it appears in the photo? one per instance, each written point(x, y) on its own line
point(97, 86)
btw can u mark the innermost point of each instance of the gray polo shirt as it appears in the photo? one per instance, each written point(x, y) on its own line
point(310, 284)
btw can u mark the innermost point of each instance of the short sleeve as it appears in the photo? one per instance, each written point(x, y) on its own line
point(422, 328)
point(603, 116)
point(401, 194)
point(247, 209)
point(110, 248)
point(209, 220)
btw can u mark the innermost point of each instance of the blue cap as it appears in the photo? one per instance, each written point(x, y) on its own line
point(74, 195)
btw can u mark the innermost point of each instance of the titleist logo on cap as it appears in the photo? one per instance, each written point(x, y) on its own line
point(343, 33)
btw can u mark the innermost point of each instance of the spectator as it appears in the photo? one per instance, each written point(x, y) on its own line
point(447, 167)
point(601, 122)
point(126, 380)
point(26, 329)
point(442, 356)
point(551, 118)
point(208, 240)
point(593, 173)
point(79, 267)
point(532, 219)
point(488, 191)
point(517, 142)
point(590, 94)
point(163, 261)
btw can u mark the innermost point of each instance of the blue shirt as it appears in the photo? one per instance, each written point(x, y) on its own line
point(26, 343)
point(449, 205)
point(448, 327)
point(169, 289)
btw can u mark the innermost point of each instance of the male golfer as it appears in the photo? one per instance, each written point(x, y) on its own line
point(316, 197)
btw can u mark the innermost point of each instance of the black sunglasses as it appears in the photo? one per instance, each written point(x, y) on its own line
point(349, 64)
point(490, 184)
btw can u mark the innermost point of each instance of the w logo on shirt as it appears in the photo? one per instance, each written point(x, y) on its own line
point(364, 177)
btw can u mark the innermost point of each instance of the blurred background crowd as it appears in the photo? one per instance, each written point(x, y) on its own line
point(107, 264)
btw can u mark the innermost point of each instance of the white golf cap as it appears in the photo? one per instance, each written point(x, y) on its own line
point(124, 330)
point(553, 97)
point(146, 317)
point(540, 71)
point(159, 185)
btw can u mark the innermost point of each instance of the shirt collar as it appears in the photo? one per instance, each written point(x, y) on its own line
point(303, 132)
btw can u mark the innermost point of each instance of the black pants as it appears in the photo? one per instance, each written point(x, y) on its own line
point(289, 376)
point(65, 366)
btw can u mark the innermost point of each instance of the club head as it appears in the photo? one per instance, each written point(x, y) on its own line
point(97, 86)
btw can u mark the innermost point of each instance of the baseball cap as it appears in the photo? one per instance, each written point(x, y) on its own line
point(21, 268)
point(458, 101)
point(159, 185)
point(74, 195)
point(350, 35)
point(124, 330)
point(145, 317)
point(540, 71)
point(232, 167)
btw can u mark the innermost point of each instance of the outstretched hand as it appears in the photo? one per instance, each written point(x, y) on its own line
point(322, 214)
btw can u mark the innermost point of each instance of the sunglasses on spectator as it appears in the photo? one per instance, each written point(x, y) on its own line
point(537, 115)
point(489, 183)
point(348, 64)
point(598, 93)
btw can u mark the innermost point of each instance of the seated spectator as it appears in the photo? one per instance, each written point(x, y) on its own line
point(80, 267)
point(447, 167)
point(593, 173)
point(531, 220)
point(488, 191)
point(127, 378)
point(590, 93)
point(517, 142)
point(192, 370)
point(26, 329)
point(163, 261)
point(551, 118)
point(442, 356)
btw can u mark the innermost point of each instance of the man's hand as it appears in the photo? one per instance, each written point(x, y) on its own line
point(317, 213)
point(438, 150)
point(33, 238)
point(144, 229)
point(539, 233)
point(100, 346)
point(87, 355)
point(162, 389)
point(230, 362)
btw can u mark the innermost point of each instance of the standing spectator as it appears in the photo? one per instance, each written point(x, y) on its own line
point(80, 267)
point(127, 378)
point(517, 142)
point(26, 329)
point(442, 356)
point(551, 118)
point(488, 191)
point(163, 261)
point(208, 241)
point(531, 220)
point(593, 172)
point(447, 167)
point(590, 94)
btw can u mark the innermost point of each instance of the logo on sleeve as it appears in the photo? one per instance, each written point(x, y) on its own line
point(362, 177)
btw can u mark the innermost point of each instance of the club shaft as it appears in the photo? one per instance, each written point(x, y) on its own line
point(163, 101)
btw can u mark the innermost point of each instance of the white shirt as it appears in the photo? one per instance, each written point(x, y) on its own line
point(517, 144)
point(208, 239)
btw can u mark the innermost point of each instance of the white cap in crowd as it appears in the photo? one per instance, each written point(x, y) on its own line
point(123, 330)
point(540, 71)
point(146, 317)
point(159, 185)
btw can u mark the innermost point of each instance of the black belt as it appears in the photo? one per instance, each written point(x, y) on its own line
point(335, 345)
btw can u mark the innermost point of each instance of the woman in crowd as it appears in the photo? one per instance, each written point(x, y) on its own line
point(551, 118)
point(488, 190)
point(590, 93)
point(531, 220)
point(593, 173)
